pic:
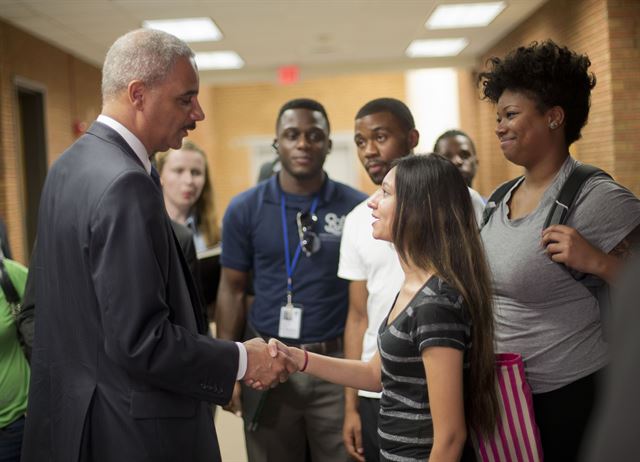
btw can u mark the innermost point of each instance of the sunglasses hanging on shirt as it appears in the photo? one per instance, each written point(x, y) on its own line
point(309, 241)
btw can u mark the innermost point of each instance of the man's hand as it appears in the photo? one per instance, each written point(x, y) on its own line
point(352, 434)
point(354, 332)
point(235, 405)
point(266, 367)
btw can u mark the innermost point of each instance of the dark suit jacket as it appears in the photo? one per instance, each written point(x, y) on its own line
point(119, 372)
point(185, 240)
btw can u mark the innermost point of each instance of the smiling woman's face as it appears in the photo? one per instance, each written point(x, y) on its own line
point(523, 131)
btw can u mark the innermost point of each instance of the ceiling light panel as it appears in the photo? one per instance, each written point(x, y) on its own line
point(187, 29)
point(455, 16)
point(436, 47)
point(209, 60)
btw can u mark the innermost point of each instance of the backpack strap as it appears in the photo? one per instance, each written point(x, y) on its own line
point(558, 215)
point(567, 195)
point(10, 292)
point(495, 199)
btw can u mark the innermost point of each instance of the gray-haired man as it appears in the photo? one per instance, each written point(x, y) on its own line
point(119, 372)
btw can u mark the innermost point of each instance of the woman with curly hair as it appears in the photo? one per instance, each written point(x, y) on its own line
point(188, 194)
point(542, 96)
point(435, 361)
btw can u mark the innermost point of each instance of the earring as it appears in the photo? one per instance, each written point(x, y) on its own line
point(553, 125)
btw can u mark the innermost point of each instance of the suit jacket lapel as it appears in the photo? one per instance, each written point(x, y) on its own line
point(196, 301)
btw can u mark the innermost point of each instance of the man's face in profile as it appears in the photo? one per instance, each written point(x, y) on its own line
point(172, 108)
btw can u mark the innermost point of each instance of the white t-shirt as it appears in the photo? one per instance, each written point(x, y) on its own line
point(363, 258)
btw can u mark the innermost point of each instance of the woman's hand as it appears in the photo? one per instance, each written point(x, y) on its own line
point(295, 354)
point(567, 246)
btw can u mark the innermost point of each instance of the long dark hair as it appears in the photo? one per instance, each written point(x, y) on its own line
point(435, 228)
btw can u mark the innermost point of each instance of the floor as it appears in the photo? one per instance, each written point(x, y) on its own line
point(230, 432)
point(230, 436)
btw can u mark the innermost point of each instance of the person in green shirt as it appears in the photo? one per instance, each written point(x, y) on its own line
point(14, 370)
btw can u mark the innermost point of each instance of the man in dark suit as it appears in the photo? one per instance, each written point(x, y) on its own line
point(119, 371)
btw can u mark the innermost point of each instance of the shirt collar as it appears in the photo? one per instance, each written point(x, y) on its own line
point(273, 190)
point(131, 139)
point(191, 223)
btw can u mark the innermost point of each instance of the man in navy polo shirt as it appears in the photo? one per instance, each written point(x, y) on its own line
point(286, 232)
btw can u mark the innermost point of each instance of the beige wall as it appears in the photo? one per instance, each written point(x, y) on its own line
point(624, 44)
point(236, 112)
point(72, 93)
point(610, 138)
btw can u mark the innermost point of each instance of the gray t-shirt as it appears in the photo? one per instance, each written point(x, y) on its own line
point(541, 312)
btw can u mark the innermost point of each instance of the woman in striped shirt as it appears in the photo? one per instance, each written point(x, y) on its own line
point(435, 364)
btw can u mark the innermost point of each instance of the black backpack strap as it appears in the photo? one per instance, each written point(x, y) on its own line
point(558, 215)
point(496, 198)
point(567, 195)
point(10, 292)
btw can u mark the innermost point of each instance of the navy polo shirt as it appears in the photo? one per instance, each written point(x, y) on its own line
point(252, 240)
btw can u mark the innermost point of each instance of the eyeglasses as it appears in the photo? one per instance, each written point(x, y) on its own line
point(309, 241)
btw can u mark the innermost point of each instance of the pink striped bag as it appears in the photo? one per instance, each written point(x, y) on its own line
point(516, 438)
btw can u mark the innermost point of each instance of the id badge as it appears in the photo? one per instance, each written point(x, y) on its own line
point(290, 321)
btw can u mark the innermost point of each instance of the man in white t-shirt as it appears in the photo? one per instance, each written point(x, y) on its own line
point(384, 131)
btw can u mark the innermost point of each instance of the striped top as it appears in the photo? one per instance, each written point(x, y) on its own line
point(436, 316)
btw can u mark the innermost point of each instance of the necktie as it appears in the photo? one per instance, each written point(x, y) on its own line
point(155, 176)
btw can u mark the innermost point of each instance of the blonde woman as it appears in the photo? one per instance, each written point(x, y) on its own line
point(188, 194)
point(188, 198)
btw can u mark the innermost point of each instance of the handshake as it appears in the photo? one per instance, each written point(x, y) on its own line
point(267, 365)
point(272, 363)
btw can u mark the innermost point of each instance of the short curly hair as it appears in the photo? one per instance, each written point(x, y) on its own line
point(550, 74)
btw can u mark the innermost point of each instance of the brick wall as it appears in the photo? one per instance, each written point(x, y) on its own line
point(607, 31)
point(237, 112)
point(72, 92)
point(624, 41)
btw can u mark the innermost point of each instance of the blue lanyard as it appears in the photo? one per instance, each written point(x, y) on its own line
point(291, 265)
